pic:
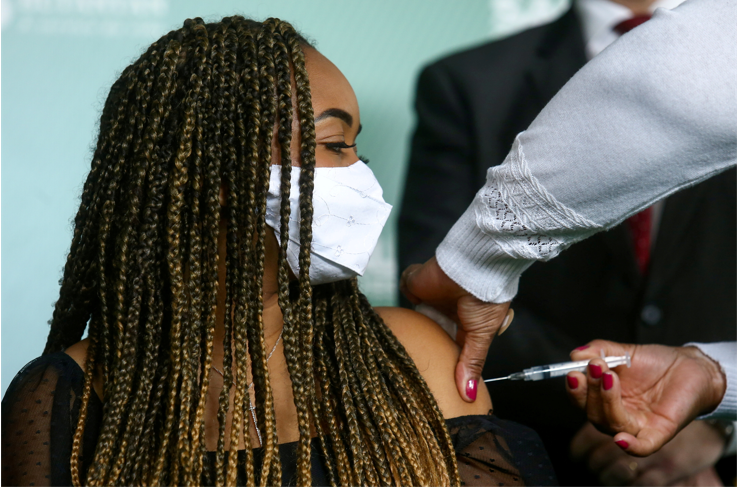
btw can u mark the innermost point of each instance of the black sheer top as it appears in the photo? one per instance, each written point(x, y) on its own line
point(39, 416)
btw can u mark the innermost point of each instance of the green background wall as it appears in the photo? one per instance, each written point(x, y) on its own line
point(59, 58)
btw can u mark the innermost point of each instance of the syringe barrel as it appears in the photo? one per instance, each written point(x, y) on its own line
point(560, 369)
point(613, 362)
point(554, 370)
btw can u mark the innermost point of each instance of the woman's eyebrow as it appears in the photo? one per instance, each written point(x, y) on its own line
point(339, 113)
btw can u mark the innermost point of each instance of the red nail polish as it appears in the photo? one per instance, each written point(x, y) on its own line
point(471, 389)
point(580, 348)
point(595, 371)
point(607, 381)
point(622, 444)
point(572, 381)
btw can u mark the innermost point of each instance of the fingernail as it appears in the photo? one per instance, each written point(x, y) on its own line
point(595, 371)
point(607, 381)
point(580, 348)
point(622, 444)
point(508, 321)
point(572, 381)
point(410, 271)
point(471, 389)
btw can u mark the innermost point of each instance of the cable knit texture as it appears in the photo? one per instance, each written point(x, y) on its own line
point(512, 221)
point(514, 204)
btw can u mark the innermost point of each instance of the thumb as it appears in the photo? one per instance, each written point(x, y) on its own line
point(478, 324)
point(407, 283)
point(469, 368)
point(429, 283)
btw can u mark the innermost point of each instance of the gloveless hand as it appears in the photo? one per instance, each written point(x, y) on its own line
point(478, 321)
point(645, 405)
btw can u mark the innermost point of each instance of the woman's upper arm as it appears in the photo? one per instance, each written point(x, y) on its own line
point(435, 354)
point(27, 425)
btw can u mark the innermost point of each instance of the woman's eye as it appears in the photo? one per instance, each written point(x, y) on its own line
point(338, 147)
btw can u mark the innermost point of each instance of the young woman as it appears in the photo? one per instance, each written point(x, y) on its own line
point(222, 224)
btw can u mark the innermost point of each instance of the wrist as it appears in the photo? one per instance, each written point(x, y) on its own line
point(473, 259)
point(715, 382)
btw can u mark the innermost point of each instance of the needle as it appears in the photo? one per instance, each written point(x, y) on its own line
point(542, 372)
point(499, 378)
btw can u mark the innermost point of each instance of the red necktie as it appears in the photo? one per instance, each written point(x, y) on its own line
point(640, 232)
point(631, 23)
point(639, 224)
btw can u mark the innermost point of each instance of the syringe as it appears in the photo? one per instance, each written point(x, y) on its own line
point(560, 369)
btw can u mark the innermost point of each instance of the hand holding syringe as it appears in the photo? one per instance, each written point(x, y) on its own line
point(534, 373)
point(560, 369)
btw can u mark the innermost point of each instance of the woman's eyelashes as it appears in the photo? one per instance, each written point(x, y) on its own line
point(339, 146)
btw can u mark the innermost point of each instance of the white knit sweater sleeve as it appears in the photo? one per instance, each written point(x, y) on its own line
point(652, 114)
point(512, 222)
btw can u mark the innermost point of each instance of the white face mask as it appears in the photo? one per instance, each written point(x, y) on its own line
point(348, 216)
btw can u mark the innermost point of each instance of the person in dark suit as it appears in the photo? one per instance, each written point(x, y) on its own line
point(470, 106)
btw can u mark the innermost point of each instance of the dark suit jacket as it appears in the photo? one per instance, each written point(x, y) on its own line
point(470, 107)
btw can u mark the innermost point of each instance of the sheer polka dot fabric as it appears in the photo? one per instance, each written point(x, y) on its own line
point(40, 409)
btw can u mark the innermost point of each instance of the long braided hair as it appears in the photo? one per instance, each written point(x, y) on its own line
point(197, 112)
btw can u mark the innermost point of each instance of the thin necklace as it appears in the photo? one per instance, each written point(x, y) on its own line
point(252, 408)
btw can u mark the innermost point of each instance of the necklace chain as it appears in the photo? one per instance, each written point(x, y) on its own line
point(274, 348)
point(252, 408)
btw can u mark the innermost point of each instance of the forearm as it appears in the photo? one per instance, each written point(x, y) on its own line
point(512, 222)
point(652, 114)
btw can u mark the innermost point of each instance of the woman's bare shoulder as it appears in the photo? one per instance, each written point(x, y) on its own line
point(435, 354)
point(78, 352)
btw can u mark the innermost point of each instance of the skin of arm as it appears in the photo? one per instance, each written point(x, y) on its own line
point(435, 354)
